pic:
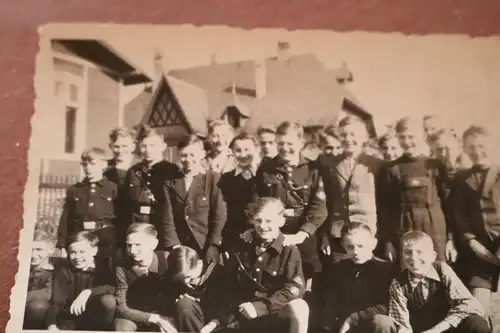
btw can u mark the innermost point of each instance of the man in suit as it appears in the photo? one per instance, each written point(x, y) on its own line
point(351, 184)
point(198, 211)
point(476, 202)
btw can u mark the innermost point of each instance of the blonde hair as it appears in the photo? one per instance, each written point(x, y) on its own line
point(258, 205)
point(413, 237)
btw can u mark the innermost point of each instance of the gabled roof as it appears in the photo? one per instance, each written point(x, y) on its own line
point(191, 100)
point(299, 89)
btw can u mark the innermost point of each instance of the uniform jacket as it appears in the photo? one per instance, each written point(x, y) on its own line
point(270, 279)
point(196, 214)
point(147, 194)
point(138, 295)
point(300, 188)
point(352, 193)
point(86, 202)
point(414, 194)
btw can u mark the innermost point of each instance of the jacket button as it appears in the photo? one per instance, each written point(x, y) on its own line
point(91, 204)
point(257, 269)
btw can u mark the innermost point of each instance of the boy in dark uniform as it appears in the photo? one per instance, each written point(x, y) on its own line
point(298, 184)
point(140, 283)
point(196, 292)
point(414, 194)
point(357, 291)
point(122, 144)
point(238, 187)
point(266, 278)
point(198, 210)
point(90, 205)
point(82, 292)
point(476, 203)
point(428, 296)
point(145, 183)
point(40, 281)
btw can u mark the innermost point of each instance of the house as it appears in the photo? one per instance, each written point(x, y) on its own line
point(81, 99)
point(247, 94)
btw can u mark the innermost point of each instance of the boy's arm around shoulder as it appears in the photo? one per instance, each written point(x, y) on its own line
point(293, 287)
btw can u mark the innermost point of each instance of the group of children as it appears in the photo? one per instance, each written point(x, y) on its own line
point(252, 234)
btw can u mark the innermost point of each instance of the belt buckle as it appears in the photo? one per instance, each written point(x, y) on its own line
point(289, 212)
point(89, 225)
point(146, 210)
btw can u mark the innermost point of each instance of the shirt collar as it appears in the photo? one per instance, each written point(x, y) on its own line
point(89, 268)
point(99, 182)
point(238, 170)
point(47, 266)
point(277, 243)
point(431, 274)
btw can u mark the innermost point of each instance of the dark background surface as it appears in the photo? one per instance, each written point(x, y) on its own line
point(20, 19)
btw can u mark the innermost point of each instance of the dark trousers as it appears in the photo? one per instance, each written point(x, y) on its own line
point(125, 325)
point(471, 324)
point(98, 315)
point(188, 315)
point(34, 315)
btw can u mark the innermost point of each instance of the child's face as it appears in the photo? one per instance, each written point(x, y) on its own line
point(444, 147)
point(359, 245)
point(141, 246)
point(391, 149)
point(267, 142)
point(478, 148)
point(81, 254)
point(289, 146)
point(352, 137)
point(190, 158)
point(94, 169)
point(40, 252)
point(152, 148)
point(331, 146)
point(430, 126)
point(122, 147)
point(220, 138)
point(412, 141)
point(267, 222)
point(419, 257)
point(245, 152)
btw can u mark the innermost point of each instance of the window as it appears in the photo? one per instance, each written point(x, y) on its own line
point(70, 130)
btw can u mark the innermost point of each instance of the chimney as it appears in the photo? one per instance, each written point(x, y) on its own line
point(283, 50)
point(213, 59)
point(260, 79)
point(158, 66)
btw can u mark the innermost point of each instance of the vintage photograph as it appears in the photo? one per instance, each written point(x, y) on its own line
point(215, 179)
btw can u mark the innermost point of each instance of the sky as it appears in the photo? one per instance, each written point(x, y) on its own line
point(453, 76)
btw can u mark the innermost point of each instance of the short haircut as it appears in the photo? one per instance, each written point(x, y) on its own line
point(406, 123)
point(45, 231)
point(191, 140)
point(328, 131)
point(258, 205)
point(121, 132)
point(84, 236)
point(181, 260)
point(266, 129)
point(93, 154)
point(290, 127)
point(44, 236)
point(142, 228)
point(389, 135)
point(350, 228)
point(413, 237)
point(428, 117)
point(242, 137)
point(442, 132)
point(219, 123)
point(475, 130)
point(145, 131)
point(351, 120)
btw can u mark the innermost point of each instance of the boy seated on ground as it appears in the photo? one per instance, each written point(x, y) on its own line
point(357, 287)
point(40, 281)
point(82, 292)
point(266, 277)
point(140, 283)
point(428, 296)
point(194, 292)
